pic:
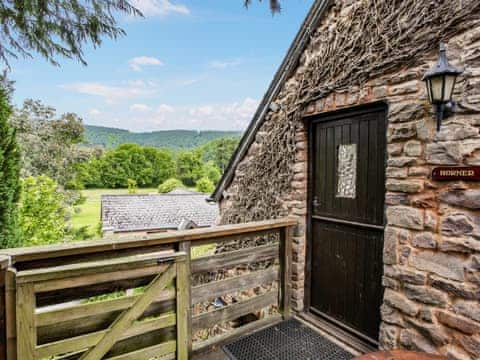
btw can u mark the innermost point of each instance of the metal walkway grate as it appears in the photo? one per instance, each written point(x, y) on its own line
point(288, 340)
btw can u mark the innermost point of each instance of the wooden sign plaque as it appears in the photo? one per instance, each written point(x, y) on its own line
point(449, 173)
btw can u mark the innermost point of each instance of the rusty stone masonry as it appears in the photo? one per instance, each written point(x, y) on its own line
point(432, 234)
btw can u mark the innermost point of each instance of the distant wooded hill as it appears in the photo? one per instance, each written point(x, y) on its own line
point(169, 139)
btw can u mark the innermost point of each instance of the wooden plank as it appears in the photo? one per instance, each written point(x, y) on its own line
point(157, 351)
point(95, 246)
point(128, 316)
point(234, 311)
point(4, 263)
point(81, 258)
point(86, 341)
point(251, 280)
point(96, 267)
point(61, 296)
point(11, 320)
point(235, 237)
point(81, 311)
point(232, 258)
point(79, 327)
point(26, 331)
point(286, 273)
point(202, 346)
point(184, 303)
point(86, 280)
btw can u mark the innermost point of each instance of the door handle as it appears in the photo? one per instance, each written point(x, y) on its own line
point(315, 203)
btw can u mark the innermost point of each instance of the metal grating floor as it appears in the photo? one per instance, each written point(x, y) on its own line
point(288, 340)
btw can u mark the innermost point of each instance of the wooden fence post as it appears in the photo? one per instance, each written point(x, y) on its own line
point(11, 314)
point(184, 316)
point(286, 270)
point(26, 330)
point(4, 262)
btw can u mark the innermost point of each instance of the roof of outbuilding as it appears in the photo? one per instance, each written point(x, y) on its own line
point(286, 68)
point(156, 211)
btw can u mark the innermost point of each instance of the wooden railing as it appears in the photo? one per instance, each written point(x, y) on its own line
point(146, 296)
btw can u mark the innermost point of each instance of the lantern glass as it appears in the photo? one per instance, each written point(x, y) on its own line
point(450, 81)
point(440, 88)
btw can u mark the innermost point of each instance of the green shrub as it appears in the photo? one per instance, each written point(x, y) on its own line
point(132, 186)
point(42, 211)
point(169, 185)
point(205, 185)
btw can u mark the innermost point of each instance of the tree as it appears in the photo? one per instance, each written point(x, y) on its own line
point(163, 165)
point(205, 185)
point(9, 176)
point(126, 162)
point(189, 167)
point(169, 185)
point(42, 211)
point(48, 141)
point(220, 151)
point(58, 27)
point(211, 172)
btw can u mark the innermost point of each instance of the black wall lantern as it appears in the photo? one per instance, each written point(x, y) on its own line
point(440, 82)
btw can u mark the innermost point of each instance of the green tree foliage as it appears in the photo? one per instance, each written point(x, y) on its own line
point(49, 142)
point(58, 27)
point(162, 164)
point(175, 140)
point(220, 151)
point(148, 166)
point(205, 185)
point(42, 211)
point(211, 172)
point(169, 185)
point(189, 167)
point(9, 176)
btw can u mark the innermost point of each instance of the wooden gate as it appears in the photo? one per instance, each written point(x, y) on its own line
point(60, 313)
point(157, 296)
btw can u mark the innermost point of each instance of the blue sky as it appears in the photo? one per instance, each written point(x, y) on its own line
point(188, 64)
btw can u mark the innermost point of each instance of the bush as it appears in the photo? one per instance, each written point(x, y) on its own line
point(205, 185)
point(169, 185)
point(42, 211)
point(132, 186)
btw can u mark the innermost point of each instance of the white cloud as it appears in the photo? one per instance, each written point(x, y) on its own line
point(217, 64)
point(160, 8)
point(229, 116)
point(94, 112)
point(129, 90)
point(137, 63)
point(140, 108)
point(165, 109)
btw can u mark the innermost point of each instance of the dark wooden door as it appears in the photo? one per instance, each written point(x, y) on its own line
point(347, 218)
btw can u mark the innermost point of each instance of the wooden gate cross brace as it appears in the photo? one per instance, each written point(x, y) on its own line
point(127, 317)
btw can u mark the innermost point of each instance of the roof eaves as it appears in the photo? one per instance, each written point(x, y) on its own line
point(282, 74)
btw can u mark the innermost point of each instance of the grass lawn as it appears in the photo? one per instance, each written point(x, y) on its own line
point(89, 214)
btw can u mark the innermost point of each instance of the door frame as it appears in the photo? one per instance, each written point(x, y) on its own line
point(342, 331)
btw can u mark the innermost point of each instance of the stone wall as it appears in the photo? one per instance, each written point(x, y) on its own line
point(432, 237)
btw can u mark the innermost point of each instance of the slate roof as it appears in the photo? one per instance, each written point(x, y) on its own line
point(156, 211)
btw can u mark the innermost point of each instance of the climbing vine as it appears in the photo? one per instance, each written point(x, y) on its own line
point(361, 40)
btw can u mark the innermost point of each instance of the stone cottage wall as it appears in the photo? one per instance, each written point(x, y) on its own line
point(432, 237)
